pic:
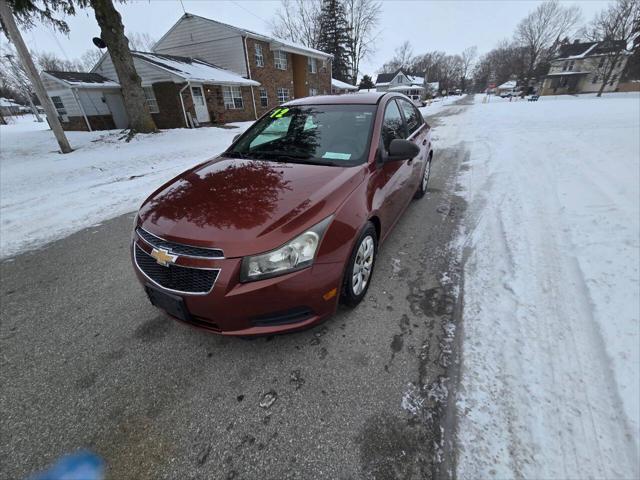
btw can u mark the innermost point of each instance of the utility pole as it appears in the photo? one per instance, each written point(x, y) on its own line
point(25, 57)
point(25, 87)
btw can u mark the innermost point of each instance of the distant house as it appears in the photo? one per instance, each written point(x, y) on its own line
point(578, 68)
point(200, 72)
point(338, 87)
point(506, 87)
point(399, 81)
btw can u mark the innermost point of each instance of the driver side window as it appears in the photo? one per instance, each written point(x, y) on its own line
point(392, 125)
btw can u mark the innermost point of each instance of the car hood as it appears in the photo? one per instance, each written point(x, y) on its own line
point(246, 207)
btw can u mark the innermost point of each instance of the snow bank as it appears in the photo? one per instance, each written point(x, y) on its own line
point(45, 195)
point(551, 361)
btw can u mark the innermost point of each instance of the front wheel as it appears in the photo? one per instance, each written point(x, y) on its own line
point(424, 182)
point(359, 269)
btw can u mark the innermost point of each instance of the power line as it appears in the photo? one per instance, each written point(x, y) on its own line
point(249, 12)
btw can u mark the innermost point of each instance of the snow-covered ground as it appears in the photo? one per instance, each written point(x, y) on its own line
point(551, 340)
point(438, 104)
point(45, 195)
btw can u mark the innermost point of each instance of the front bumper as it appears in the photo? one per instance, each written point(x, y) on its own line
point(276, 305)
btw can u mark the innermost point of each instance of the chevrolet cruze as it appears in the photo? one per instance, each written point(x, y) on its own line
point(272, 234)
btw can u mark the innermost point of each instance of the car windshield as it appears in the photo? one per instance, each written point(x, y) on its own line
point(317, 134)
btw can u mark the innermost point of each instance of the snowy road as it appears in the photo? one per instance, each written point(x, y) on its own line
point(87, 362)
point(551, 293)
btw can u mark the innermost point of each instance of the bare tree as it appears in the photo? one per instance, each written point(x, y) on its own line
point(538, 30)
point(298, 21)
point(142, 42)
point(468, 57)
point(90, 58)
point(362, 17)
point(50, 61)
point(403, 58)
point(616, 27)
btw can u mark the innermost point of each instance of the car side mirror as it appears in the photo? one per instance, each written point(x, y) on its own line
point(236, 137)
point(402, 150)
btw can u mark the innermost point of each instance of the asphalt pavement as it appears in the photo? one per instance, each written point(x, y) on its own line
point(87, 362)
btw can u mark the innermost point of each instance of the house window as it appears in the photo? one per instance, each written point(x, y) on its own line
point(232, 98)
point(264, 99)
point(57, 102)
point(150, 100)
point(283, 95)
point(324, 66)
point(571, 63)
point(565, 65)
point(313, 92)
point(313, 65)
point(259, 56)
point(280, 59)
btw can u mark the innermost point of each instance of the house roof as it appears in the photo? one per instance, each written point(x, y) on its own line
point(342, 85)
point(507, 85)
point(194, 70)
point(384, 79)
point(278, 42)
point(82, 79)
point(585, 49)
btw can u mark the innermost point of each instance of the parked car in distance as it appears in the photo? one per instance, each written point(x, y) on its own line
point(269, 236)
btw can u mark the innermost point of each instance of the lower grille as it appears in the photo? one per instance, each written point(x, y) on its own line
point(175, 277)
point(294, 315)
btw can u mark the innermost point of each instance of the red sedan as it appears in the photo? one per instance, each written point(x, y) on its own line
point(272, 234)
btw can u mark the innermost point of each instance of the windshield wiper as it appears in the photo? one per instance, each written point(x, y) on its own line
point(275, 156)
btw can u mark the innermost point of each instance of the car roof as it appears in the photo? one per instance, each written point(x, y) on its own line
point(370, 98)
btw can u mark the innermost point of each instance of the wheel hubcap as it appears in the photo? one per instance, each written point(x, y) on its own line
point(362, 265)
point(425, 177)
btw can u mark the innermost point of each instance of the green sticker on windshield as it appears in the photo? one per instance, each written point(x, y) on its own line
point(337, 155)
point(279, 112)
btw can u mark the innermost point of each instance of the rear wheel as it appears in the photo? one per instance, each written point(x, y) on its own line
point(359, 270)
point(424, 182)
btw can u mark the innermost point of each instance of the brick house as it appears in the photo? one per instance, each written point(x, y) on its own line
point(578, 68)
point(200, 72)
point(179, 91)
point(285, 70)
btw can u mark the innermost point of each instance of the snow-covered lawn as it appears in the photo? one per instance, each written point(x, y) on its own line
point(551, 333)
point(45, 195)
point(438, 104)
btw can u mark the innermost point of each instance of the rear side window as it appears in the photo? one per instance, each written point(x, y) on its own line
point(392, 125)
point(412, 115)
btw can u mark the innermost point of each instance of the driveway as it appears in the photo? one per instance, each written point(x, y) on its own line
point(87, 362)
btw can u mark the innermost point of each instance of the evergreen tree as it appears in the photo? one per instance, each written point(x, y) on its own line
point(366, 83)
point(334, 38)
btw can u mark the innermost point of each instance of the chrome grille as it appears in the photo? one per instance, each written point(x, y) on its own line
point(179, 248)
point(175, 277)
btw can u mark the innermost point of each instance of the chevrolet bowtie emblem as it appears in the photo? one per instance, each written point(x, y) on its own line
point(163, 257)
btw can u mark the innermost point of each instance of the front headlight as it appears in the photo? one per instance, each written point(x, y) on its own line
point(293, 255)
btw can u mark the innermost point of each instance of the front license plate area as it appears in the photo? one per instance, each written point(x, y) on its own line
point(172, 304)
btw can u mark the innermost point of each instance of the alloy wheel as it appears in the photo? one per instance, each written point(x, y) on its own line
point(362, 265)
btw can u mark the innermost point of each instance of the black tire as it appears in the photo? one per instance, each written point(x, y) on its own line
point(424, 186)
point(348, 295)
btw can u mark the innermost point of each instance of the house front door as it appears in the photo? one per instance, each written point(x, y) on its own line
point(200, 104)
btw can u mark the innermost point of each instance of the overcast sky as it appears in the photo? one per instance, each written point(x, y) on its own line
point(445, 25)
